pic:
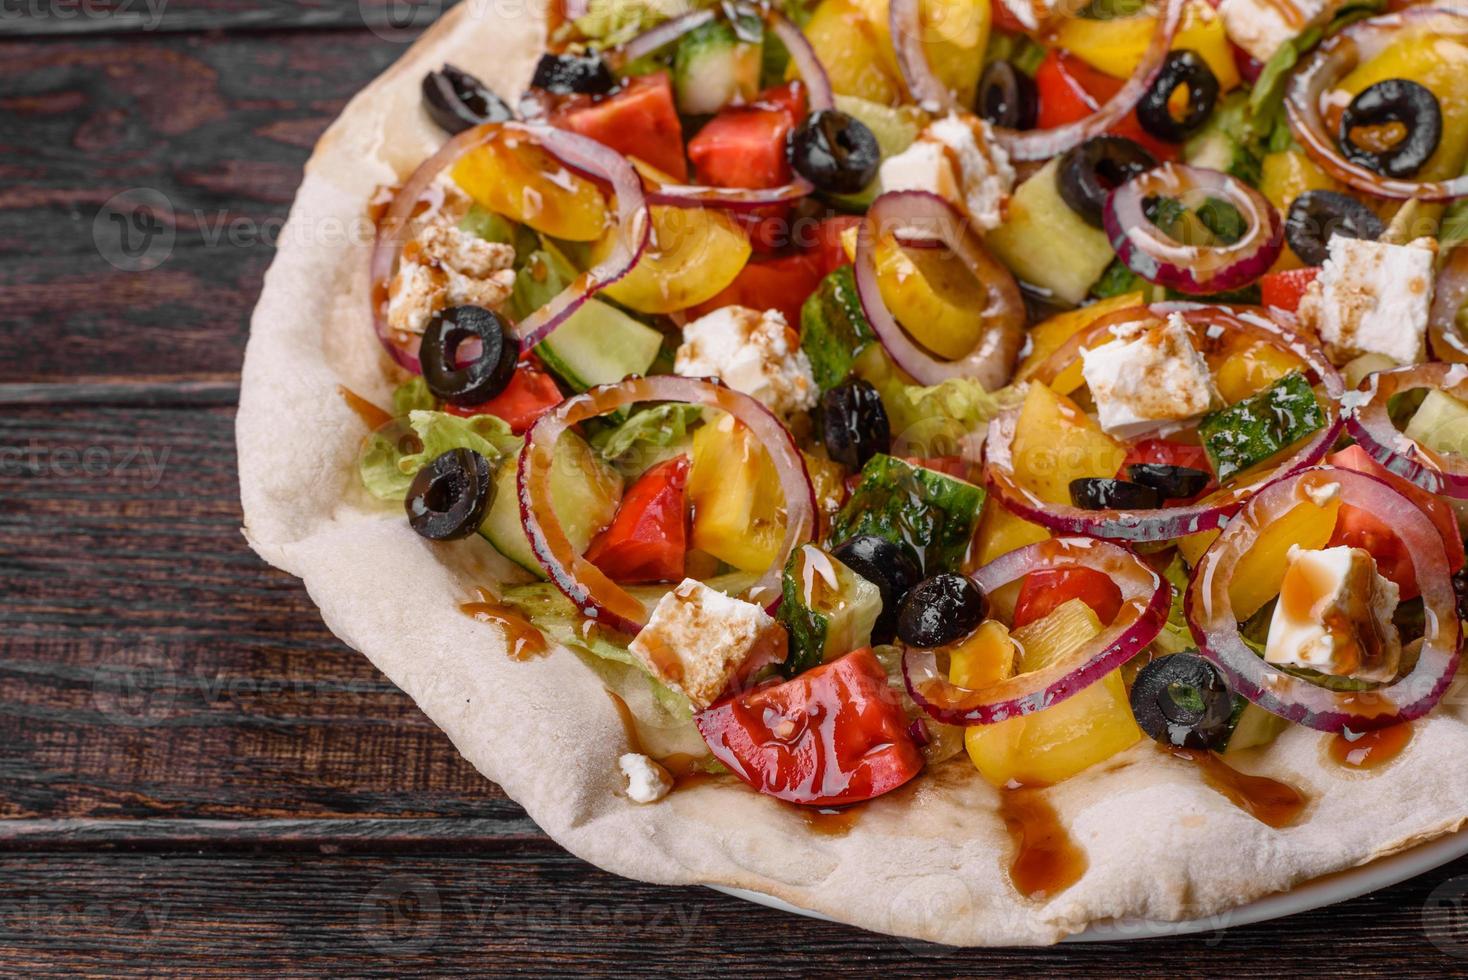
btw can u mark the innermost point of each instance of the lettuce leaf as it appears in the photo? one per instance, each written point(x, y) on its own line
point(1176, 636)
point(933, 421)
point(412, 396)
point(392, 456)
point(648, 437)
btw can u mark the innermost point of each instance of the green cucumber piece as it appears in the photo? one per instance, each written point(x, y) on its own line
point(931, 512)
point(599, 344)
point(1261, 426)
point(584, 491)
point(828, 609)
point(1047, 244)
point(895, 131)
point(1253, 727)
point(1440, 424)
point(715, 65)
point(833, 329)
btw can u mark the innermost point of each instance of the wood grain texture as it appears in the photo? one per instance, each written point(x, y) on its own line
point(194, 774)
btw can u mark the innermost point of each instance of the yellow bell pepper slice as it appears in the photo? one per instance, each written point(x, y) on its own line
point(1116, 46)
point(526, 184)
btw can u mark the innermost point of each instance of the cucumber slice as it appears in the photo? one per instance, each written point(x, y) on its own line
point(1047, 244)
point(1254, 727)
point(931, 512)
point(1441, 424)
point(584, 491)
point(715, 66)
point(598, 345)
point(1261, 426)
point(833, 328)
point(828, 609)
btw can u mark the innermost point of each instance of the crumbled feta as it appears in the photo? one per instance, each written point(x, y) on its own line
point(1321, 494)
point(467, 254)
point(698, 640)
point(446, 266)
point(1260, 27)
point(1147, 377)
point(756, 353)
point(416, 292)
point(1335, 616)
point(958, 159)
point(647, 782)
point(1372, 298)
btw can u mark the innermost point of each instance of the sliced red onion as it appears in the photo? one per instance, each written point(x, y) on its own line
point(596, 595)
point(927, 216)
point(577, 152)
point(1215, 626)
point(1372, 426)
point(728, 198)
point(1042, 144)
point(905, 23)
point(1195, 269)
point(1166, 523)
point(1449, 295)
point(655, 39)
point(1146, 598)
point(812, 72)
point(1313, 82)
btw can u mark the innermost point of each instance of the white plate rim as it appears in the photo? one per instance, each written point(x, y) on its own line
point(1318, 892)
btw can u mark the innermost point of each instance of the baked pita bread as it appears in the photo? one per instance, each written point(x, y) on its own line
point(929, 862)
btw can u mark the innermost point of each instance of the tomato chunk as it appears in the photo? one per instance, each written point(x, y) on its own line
point(1044, 592)
point(639, 121)
point(829, 247)
point(1070, 90)
point(1359, 528)
point(781, 284)
point(833, 735)
point(744, 146)
point(1284, 290)
point(530, 394)
point(648, 538)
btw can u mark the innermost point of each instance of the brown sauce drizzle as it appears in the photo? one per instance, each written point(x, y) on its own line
point(372, 416)
point(1371, 750)
point(526, 642)
point(1267, 800)
point(832, 821)
point(1046, 860)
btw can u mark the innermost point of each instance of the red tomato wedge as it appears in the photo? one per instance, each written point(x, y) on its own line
point(1070, 89)
point(781, 284)
point(1044, 592)
point(744, 146)
point(1361, 529)
point(530, 394)
point(833, 735)
point(639, 121)
point(648, 538)
point(829, 249)
point(1284, 290)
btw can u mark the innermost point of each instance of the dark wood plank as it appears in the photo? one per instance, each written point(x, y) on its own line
point(393, 19)
point(81, 122)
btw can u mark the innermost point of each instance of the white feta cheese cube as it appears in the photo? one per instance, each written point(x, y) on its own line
point(756, 353)
point(698, 640)
point(958, 159)
point(1260, 27)
point(1148, 377)
point(1335, 616)
point(647, 781)
point(1372, 298)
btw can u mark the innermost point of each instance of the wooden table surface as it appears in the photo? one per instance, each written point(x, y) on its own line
point(195, 774)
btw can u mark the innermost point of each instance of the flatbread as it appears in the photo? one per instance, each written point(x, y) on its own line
point(930, 862)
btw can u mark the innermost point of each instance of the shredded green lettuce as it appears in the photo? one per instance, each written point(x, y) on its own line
point(648, 437)
point(1175, 636)
point(412, 396)
point(933, 421)
point(393, 456)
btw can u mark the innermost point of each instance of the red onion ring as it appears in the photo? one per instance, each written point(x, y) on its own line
point(1331, 62)
point(1195, 269)
point(1042, 144)
point(905, 24)
point(1211, 616)
point(930, 216)
point(579, 153)
point(728, 198)
point(812, 73)
point(1372, 427)
point(1449, 294)
point(1166, 523)
point(596, 595)
point(1146, 598)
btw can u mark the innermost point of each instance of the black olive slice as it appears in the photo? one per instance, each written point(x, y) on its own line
point(1099, 493)
point(1092, 170)
point(834, 151)
point(940, 610)
point(1315, 216)
point(892, 568)
point(1007, 96)
point(482, 378)
point(456, 100)
point(571, 74)
point(1182, 69)
point(1393, 101)
point(1172, 482)
point(450, 496)
point(854, 423)
point(1182, 700)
